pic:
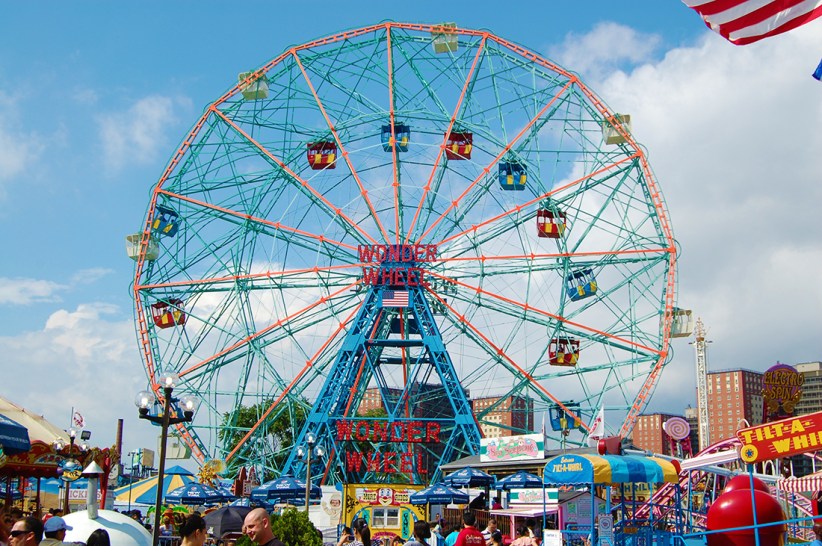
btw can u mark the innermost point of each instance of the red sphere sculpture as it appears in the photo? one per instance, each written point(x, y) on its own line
point(734, 509)
point(743, 481)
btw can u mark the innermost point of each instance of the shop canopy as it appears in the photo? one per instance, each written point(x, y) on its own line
point(145, 491)
point(608, 469)
point(812, 482)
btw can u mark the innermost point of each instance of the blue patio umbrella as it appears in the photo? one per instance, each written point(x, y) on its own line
point(14, 437)
point(284, 488)
point(520, 480)
point(469, 477)
point(196, 493)
point(253, 503)
point(439, 493)
point(15, 494)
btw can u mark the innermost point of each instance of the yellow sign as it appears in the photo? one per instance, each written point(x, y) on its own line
point(385, 507)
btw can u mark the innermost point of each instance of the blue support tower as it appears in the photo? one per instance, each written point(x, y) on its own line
point(393, 349)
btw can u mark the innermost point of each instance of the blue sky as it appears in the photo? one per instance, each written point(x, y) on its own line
point(95, 97)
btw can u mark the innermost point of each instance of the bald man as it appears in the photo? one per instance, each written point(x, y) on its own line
point(258, 528)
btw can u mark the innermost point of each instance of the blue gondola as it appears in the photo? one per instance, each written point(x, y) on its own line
point(165, 221)
point(581, 284)
point(512, 175)
point(402, 133)
point(561, 420)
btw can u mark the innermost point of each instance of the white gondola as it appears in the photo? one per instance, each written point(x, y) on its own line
point(610, 133)
point(445, 37)
point(682, 323)
point(133, 247)
point(255, 90)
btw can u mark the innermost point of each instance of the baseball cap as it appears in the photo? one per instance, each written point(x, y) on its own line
point(56, 523)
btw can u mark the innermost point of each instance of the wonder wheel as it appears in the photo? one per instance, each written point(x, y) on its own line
point(402, 238)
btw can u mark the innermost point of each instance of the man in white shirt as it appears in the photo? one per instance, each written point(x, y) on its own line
point(489, 530)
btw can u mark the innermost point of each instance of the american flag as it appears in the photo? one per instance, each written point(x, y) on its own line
point(395, 298)
point(746, 21)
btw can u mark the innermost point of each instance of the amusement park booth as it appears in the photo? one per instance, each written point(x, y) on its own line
point(600, 472)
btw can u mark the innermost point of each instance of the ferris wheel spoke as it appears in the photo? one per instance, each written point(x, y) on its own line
point(315, 196)
point(301, 237)
point(252, 280)
point(496, 159)
point(457, 108)
point(496, 353)
point(343, 152)
point(303, 374)
point(280, 324)
point(523, 310)
point(535, 258)
point(540, 198)
point(393, 128)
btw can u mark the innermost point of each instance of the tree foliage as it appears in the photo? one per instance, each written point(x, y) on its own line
point(292, 527)
point(295, 529)
point(279, 429)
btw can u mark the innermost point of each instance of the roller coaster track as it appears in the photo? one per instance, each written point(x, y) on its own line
point(696, 470)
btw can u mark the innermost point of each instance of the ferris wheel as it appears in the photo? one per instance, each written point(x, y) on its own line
point(409, 222)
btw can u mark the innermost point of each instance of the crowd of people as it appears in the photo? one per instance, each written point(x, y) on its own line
point(19, 530)
point(465, 534)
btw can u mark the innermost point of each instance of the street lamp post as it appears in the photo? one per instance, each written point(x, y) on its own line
point(305, 453)
point(146, 400)
point(59, 446)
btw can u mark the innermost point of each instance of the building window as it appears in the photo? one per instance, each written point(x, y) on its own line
point(386, 517)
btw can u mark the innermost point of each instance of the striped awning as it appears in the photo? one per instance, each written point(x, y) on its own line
point(608, 469)
point(812, 482)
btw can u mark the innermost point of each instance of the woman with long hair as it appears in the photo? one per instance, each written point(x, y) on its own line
point(362, 533)
point(422, 532)
point(193, 531)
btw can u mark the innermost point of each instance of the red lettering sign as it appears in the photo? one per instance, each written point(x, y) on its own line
point(781, 438)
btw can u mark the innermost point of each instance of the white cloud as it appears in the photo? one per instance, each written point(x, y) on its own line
point(85, 96)
point(25, 291)
point(18, 149)
point(28, 291)
point(137, 135)
point(608, 46)
point(82, 359)
point(91, 275)
point(732, 135)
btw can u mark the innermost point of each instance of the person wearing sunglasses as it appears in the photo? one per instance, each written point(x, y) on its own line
point(26, 532)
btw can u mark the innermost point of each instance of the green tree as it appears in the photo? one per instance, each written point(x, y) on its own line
point(292, 527)
point(279, 427)
point(295, 529)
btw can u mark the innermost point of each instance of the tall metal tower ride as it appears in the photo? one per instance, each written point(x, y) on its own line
point(701, 346)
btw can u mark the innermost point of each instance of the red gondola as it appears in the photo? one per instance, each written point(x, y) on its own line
point(563, 351)
point(550, 224)
point(322, 155)
point(168, 313)
point(458, 145)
